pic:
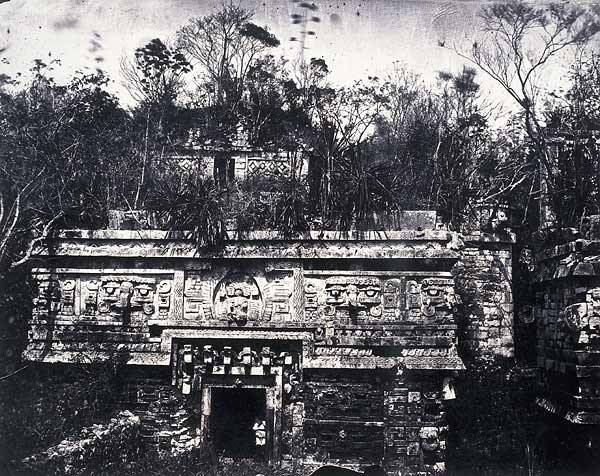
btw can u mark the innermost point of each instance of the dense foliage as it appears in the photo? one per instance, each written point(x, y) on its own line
point(39, 408)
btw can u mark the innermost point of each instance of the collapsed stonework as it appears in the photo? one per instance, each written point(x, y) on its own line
point(340, 347)
point(566, 316)
point(73, 455)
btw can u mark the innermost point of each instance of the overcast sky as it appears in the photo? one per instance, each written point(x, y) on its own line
point(356, 37)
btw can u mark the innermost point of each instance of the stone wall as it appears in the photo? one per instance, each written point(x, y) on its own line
point(484, 283)
point(567, 318)
point(168, 420)
point(344, 415)
point(416, 425)
point(350, 418)
point(323, 326)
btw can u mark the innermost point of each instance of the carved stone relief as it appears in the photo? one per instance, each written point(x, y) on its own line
point(193, 298)
point(164, 299)
point(593, 301)
point(195, 361)
point(393, 298)
point(430, 440)
point(278, 296)
point(49, 295)
point(89, 293)
point(311, 303)
point(238, 299)
point(67, 301)
point(429, 297)
point(353, 296)
point(369, 298)
point(576, 316)
point(90, 296)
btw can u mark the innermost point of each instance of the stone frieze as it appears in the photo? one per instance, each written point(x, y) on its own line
point(354, 298)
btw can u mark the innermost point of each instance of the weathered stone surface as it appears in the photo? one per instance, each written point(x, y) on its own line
point(484, 284)
point(349, 338)
point(567, 320)
point(95, 445)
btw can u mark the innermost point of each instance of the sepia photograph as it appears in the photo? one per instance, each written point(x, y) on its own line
point(299, 238)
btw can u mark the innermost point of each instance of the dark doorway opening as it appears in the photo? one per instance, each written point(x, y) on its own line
point(224, 170)
point(234, 412)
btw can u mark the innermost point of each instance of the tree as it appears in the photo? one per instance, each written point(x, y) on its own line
point(155, 78)
point(519, 41)
point(155, 75)
point(440, 150)
point(262, 109)
point(64, 161)
point(224, 46)
point(574, 119)
point(578, 109)
point(342, 121)
point(60, 146)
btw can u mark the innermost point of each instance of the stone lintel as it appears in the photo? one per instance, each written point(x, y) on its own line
point(428, 274)
point(260, 334)
point(247, 250)
point(377, 362)
point(308, 325)
point(107, 271)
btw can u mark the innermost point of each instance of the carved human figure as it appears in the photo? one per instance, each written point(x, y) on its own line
point(413, 295)
point(124, 295)
point(238, 305)
point(238, 299)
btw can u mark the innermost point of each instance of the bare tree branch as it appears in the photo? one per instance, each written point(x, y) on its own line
point(33, 243)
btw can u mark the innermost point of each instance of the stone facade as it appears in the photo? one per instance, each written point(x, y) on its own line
point(341, 345)
point(567, 319)
point(484, 282)
point(237, 162)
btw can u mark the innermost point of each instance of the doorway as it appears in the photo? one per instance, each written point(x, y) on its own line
point(234, 413)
